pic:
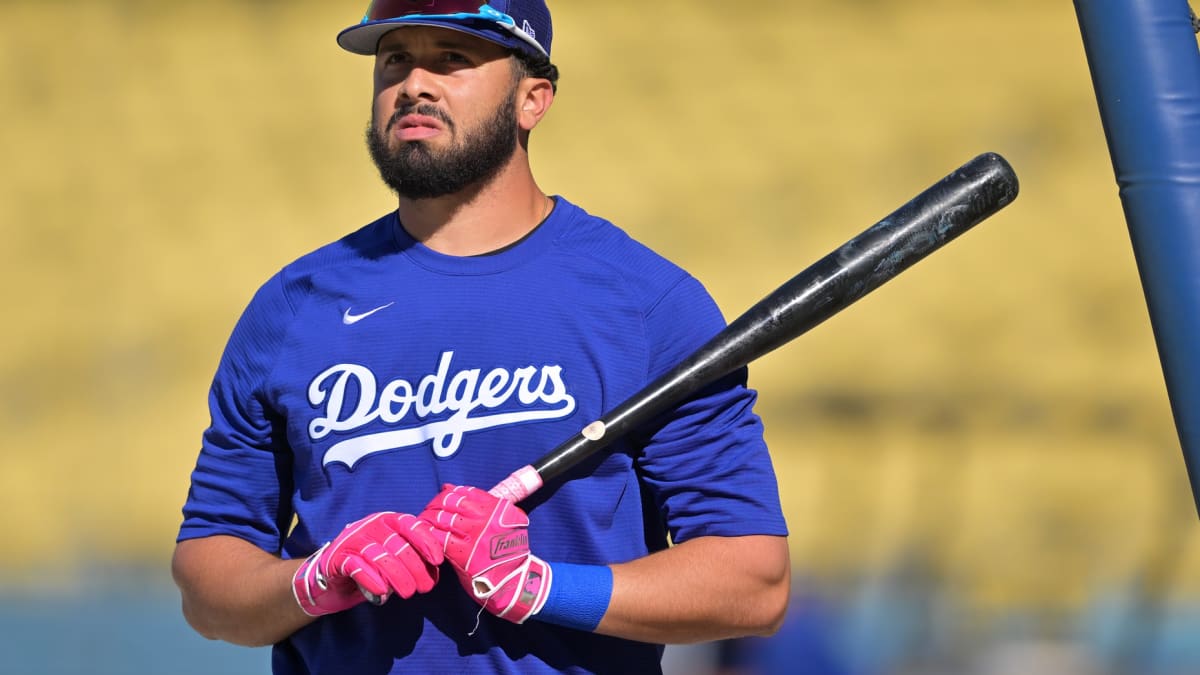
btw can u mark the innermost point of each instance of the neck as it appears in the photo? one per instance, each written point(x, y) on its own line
point(480, 219)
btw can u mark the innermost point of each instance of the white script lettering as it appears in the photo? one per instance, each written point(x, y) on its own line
point(350, 398)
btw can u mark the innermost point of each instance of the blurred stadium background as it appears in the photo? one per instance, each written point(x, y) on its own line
point(978, 461)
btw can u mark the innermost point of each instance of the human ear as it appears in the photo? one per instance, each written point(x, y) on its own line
point(534, 98)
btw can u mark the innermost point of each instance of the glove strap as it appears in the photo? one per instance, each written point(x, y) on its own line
point(308, 583)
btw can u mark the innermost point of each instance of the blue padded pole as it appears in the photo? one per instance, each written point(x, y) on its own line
point(1145, 67)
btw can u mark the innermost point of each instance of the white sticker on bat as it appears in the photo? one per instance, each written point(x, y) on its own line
point(594, 431)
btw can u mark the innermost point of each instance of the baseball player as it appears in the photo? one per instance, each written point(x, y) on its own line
point(374, 389)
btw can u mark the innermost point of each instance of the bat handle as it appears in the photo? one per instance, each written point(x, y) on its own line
point(519, 485)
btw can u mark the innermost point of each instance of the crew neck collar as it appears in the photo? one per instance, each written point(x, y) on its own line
point(505, 258)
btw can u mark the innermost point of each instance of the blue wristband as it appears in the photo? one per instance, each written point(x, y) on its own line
point(579, 596)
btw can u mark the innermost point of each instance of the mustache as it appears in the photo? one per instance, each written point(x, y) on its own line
point(426, 109)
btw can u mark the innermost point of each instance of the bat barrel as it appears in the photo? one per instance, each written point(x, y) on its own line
point(927, 222)
point(953, 205)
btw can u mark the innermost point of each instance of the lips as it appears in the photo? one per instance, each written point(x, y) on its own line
point(417, 127)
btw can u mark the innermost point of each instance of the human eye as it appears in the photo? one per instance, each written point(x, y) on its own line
point(394, 57)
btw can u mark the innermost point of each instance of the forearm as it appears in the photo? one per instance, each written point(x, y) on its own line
point(709, 588)
point(235, 591)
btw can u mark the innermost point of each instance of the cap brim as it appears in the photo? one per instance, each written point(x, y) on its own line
point(364, 38)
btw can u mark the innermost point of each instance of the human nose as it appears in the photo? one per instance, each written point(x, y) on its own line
point(419, 84)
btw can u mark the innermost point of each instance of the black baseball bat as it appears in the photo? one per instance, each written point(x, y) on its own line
point(956, 203)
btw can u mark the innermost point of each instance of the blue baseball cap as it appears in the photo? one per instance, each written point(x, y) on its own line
point(522, 25)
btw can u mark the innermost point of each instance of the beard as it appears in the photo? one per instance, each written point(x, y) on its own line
point(416, 171)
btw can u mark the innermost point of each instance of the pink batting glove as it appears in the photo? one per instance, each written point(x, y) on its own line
point(487, 543)
point(381, 554)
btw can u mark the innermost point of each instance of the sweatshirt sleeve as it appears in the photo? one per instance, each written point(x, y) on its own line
point(706, 461)
point(241, 485)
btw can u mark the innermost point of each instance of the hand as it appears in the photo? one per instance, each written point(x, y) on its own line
point(487, 543)
point(381, 554)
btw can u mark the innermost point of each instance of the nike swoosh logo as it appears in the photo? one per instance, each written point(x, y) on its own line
point(351, 319)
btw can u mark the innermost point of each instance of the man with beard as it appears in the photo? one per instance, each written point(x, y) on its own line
point(374, 389)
